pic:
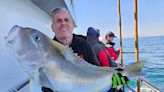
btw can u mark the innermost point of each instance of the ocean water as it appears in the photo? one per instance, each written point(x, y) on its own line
point(151, 50)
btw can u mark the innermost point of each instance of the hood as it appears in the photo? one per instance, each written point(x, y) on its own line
point(92, 39)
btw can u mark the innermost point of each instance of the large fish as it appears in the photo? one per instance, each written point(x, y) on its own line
point(53, 65)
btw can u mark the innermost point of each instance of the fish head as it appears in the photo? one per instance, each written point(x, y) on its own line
point(29, 46)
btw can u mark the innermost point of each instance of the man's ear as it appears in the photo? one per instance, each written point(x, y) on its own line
point(52, 27)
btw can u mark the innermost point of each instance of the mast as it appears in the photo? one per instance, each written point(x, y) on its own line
point(136, 38)
point(120, 31)
point(136, 30)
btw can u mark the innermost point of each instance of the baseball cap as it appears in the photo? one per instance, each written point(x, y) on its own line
point(109, 33)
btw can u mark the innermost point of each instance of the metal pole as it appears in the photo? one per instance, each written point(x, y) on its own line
point(120, 31)
point(136, 30)
point(138, 85)
point(136, 38)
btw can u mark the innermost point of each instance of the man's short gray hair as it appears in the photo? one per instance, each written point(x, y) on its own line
point(61, 9)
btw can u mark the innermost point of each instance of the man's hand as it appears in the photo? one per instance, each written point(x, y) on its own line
point(118, 50)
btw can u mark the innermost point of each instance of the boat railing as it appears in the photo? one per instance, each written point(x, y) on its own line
point(144, 83)
point(147, 84)
point(130, 88)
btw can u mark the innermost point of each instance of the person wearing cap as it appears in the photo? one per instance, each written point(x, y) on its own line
point(99, 48)
point(109, 37)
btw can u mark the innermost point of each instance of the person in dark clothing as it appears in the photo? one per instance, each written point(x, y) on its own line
point(82, 48)
point(99, 48)
point(101, 52)
point(62, 26)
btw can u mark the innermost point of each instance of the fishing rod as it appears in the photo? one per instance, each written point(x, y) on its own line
point(19, 86)
point(139, 52)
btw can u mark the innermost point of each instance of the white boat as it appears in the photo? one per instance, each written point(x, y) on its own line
point(31, 13)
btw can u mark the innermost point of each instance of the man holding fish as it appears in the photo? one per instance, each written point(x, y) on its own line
point(62, 26)
point(53, 64)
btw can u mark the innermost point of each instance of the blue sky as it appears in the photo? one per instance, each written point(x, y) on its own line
point(103, 14)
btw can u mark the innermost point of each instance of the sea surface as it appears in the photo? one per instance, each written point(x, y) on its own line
point(151, 50)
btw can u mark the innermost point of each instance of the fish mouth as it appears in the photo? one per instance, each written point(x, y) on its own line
point(29, 59)
point(31, 56)
point(12, 35)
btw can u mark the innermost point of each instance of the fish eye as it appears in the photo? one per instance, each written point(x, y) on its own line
point(36, 38)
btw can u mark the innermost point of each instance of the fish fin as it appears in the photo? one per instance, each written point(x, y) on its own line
point(35, 85)
point(74, 58)
point(58, 46)
point(71, 56)
point(134, 69)
point(68, 53)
